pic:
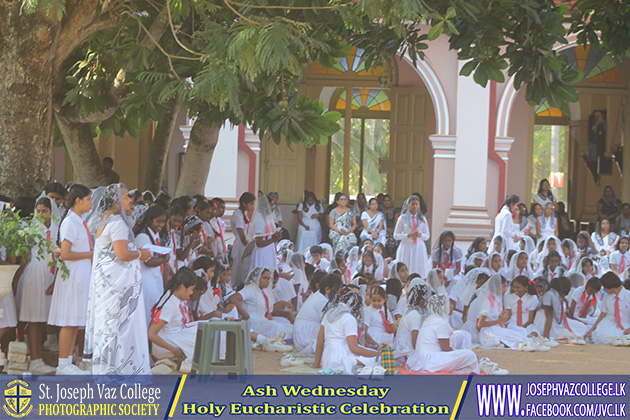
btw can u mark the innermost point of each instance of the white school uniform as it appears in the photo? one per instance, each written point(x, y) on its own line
point(621, 261)
point(68, 307)
point(180, 329)
point(558, 272)
point(413, 255)
point(312, 236)
point(547, 226)
point(503, 225)
point(580, 297)
point(255, 305)
point(373, 223)
point(529, 303)
point(494, 335)
point(449, 258)
point(511, 274)
point(337, 354)
point(376, 328)
point(152, 280)
point(308, 322)
point(377, 272)
point(266, 256)
point(219, 246)
point(239, 272)
point(429, 357)
point(174, 242)
point(608, 327)
point(557, 325)
point(470, 326)
point(410, 322)
point(284, 290)
point(34, 303)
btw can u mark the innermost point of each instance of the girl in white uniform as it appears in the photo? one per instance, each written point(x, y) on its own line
point(620, 259)
point(36, 279)
point(254, 302)
point(373, 223)
point(569, 253)
point(368, 265)
point(152, 270)
point(240, 226)
point(265, 236)
point(309, 228)
point(418, 294)
point(448, 257)
point(412, 230)
point(68, 308)
point(547, 225)
point(519, 266)
point(521, 302)
point(378, 319)
point(173, 331)
point(338, 346)
point(583, 302)
point(309, 319)
point(434, 350)
point(299, 281)
point(614, 320)
point(492, 321)
point(462, 292)
point(552, 269)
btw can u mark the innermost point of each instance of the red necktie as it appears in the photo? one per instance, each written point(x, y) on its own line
point(446, 262)
point(203, 232)
point(52, 267)
point(88, 234)
point(519, 313)
point(268, 314)
point(587, 304)
point(552, 274)
point(157, 242)
point(617, 314)
point(386, 324)
point(520, 273)
point(222, 239)
point(415, 227)
point(622, 265)
point(565, 321)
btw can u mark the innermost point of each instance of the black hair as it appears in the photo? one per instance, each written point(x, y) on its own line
point(24, 207)
point(201, 284)
point(423, 205)
point(309, 269)
point(204, 263)
point(474, 246)
point(598, 226)
point(316, 249)
point(182, 202)
point(510, 254)
point(438, 246)
point(337, 195)
point(316, 280)
point(76, 192)
point(245, 198)
point(362, 266)
point(594, 283)
point(202, 205)
point(524, 281)
point(164, 196)
point(380, 245)
point(316, 203)
point(218, 200)
point(540, 189)
point(552, 254)
point(561, 284)
point(184, 276)
point(108, 159)
point(329, 281)
point(218, 269)
point(363, 241)
point(199, 198)
point(176, 211)
point(44, 201)
point(148, 195)
point(154, 212)
point(379, 291)
point(55, 187)
point(394, 287)
point(621, 239)
point(610, 280)
point(161, 202)
point(372, 199)
point(511, 199)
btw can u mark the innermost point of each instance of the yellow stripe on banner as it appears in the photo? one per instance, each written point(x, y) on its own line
point(459, 399)
point(181, 386)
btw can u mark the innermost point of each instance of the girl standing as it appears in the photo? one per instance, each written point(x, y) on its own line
point(152, 271)
point(412, 230)
point(36, 281)
point(373, 223)
point(240, 225)
point(265, 236)
point(116, 328)
point(309, 228)
point(68, 307)
point(342, 224)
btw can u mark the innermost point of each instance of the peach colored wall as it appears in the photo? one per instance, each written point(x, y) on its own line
point(517, 180)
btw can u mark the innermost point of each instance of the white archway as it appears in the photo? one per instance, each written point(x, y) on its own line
point(436, 91)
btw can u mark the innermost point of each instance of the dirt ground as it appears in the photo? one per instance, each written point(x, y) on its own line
point(566, 359)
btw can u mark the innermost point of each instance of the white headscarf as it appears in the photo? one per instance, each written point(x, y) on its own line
point(104, 199)
point(513, 269)
point(530, 246)
point(433, 280)
point(262, 219)
point(253, 278)
point(470, 282)
point(55, 217)
point(492, 292)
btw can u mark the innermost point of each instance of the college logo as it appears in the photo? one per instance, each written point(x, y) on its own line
point(17, 397)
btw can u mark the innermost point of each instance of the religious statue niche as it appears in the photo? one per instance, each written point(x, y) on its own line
point(597, 134)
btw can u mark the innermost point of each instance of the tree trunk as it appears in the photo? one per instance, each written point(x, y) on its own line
point(203, 140)
point(83, 154)
point(25, 99)
point(159, 148)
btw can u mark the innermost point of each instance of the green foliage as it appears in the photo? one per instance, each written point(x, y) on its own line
point(541, 161)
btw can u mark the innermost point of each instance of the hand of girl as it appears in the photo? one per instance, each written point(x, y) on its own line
point(374, 235)
point(315, 216)
point(587, 336)
point(166, 257)
point(179, 353)
point(50, 289)
point(145, 255)
point(505, 316)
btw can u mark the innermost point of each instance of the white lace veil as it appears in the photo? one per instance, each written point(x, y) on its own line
point(470, 280)
point(347, 300)
point(262, 219)
point(433, 280)
point(438, 308)
point(406, 215)
point(283, 247)
point(492, 291)
point(327, 247)
point(296, 262)
point(254, 278)
point(504, 246)
point(417, 292)
point(103, 209)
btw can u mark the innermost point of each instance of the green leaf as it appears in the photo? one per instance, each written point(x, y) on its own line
point(436, 31)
